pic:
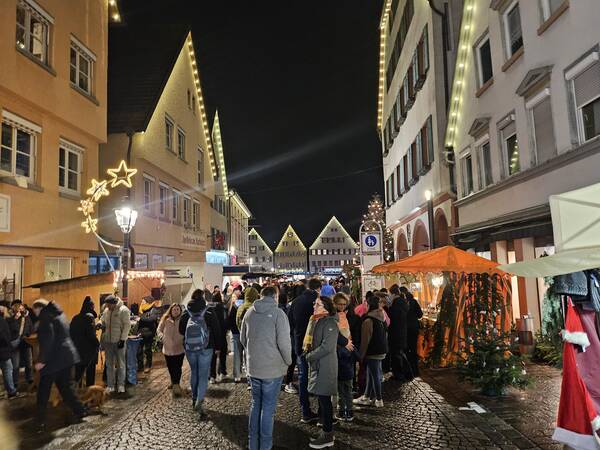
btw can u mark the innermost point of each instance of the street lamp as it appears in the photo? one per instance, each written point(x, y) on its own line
point(126, 218)
point(429, 198)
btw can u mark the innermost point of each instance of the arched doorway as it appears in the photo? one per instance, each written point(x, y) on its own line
point(442, 233)
point(420, 238)
point(401, 246)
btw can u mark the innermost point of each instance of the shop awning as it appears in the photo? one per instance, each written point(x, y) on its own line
point(444, 259)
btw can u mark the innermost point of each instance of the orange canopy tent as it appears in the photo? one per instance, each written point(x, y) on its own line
point(444, 259)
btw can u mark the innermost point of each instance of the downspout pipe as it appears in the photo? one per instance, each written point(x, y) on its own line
point(444, 18)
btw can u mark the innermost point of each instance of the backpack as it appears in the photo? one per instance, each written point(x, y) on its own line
point(196, 333)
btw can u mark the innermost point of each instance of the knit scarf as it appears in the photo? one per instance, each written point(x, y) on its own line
point(310, 330)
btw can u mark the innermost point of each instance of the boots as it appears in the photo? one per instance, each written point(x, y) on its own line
point(176, 391)
point(323, 440)
point(200, 410)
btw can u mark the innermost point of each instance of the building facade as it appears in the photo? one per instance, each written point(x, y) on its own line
point(53, 109)
point(290, 254)
point(523, 126)
point(239, 215)
point(260, 256)
point(332, 249)
point(418, 47)
point(163, 123)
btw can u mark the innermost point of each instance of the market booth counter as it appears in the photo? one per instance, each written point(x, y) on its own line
point(459, 292)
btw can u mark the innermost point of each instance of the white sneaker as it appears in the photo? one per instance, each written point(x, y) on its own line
point(219, 378)
point(237, 380)
point(211, 381)
point(290, 389)
point(110, 390)
point(378, 403)
point(121, 389)
point(365, 401)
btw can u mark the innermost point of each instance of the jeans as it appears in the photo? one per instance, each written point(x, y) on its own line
point(174, 364)
point(374, 375)
point(133, 345)
point(62, 379)
point(200, 367)
point(262, 412)
point(114, 357)
point(7, 374)
point(326, 412)
point(237, 356)
point(345, 397)
point(303, 386)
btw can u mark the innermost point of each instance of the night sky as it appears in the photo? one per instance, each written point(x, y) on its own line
point(295, 83)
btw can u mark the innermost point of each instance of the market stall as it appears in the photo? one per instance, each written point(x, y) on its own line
point(459, 293)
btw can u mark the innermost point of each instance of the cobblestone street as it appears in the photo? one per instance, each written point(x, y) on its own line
point(414, 417)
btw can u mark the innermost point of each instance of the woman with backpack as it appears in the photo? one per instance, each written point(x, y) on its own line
point(373, 348)
point(201, 331)
point(168, 329)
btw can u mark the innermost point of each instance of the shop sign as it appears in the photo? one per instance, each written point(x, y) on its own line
point(4, 213)
point(192, 240)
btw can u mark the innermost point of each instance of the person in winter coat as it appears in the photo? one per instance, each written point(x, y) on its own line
point(202, 334)
point(220, 313)
point(20, 326)
point(265, 334)
point(231, 325)
point(397, 337)
point(284, 305)
point(150, 313)
point(250, 296)
point(412, 329)
point(115, 326)
point(83, 334)
point(301, 310)
point(5, 353)
point(320, 348)
point(373, 348)
point(57, 355)
point(346, 359)
point(172, 348)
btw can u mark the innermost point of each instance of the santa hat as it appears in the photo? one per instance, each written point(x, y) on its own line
point(578, 421)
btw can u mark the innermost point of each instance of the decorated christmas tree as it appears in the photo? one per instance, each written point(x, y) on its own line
point(376, 213)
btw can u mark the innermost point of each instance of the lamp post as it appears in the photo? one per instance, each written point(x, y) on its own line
point(429, 198)
point(126, 218)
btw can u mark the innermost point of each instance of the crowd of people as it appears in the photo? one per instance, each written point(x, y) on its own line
point(340, 347)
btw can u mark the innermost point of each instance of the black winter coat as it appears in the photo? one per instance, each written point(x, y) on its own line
point(221, 315)
point(57, 350)
point(414, 314)
point(5, 348)
point(231, 320)
point(299, 314)
point(346, 359)
point(83, 334)
point(397, 330)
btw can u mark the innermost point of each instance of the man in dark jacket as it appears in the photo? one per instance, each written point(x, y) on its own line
point(83, 334)
point(412, 329)
point(5, 353)
point(397, 335)
point(299, 315)
point(57, 355)
point(150, 314)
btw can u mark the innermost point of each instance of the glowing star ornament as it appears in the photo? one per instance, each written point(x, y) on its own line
point(121, 175)
point(87, 207)
point(90, 225)
point(98, 189)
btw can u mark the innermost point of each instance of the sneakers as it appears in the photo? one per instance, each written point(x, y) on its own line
point(110, 389)
point(310, 419)
point(365, 401)
point(348, 417)
point(323, 440)
point(176, 391)
point(249, 388)
point(200, 410)
point(15, 395)
point(335, 421)
point(147, 370)
point(290, 389)
point(219, 378)
point(378, 403)
point(211, 380)
point(237, 380)
point(121, 389)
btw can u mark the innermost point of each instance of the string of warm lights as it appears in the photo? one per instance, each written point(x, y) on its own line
point(382, 44)
point(459, 73)
point(200, 100)
point(218, 143)
point(113, 11)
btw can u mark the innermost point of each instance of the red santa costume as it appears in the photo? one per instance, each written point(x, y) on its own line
point(578, 414)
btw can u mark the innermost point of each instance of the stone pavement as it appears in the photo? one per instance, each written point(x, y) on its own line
point(415, 416)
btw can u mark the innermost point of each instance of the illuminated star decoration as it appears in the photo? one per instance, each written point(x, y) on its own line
point(121, 175)
point(87, 207)
point(90, 225)
point(98, 189)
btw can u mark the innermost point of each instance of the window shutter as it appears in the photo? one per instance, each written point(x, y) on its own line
point(587, 84)
point(393, 187)
point(419, 154)
point(545, 145)
point(410, 173)
point(399, 188)
point(425, 50)
point(406, 174)
point(430, 149)
point(424, 147)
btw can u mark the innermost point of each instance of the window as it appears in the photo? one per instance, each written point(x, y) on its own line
point(69, 167)
point(175, 205)
point(148, 191)
point(427, 153)
point(483, 53)
point(510, 146)
point(195, 214)
point(540, 117)
point(194, 104)
point(406, 167)
point(186, 209)
point(586, 93)
point(189, 99)
point(57, 269)
point(141, 260)
point(485, 165)
point(17, 151)
point(549, 7)
point(81, 66)
point(200, 167)
point(163, 190)
point(512, 29)
point(156, 261)
point(181, 144)
point(467, 174)
point(169, 126)
point(33, 26)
